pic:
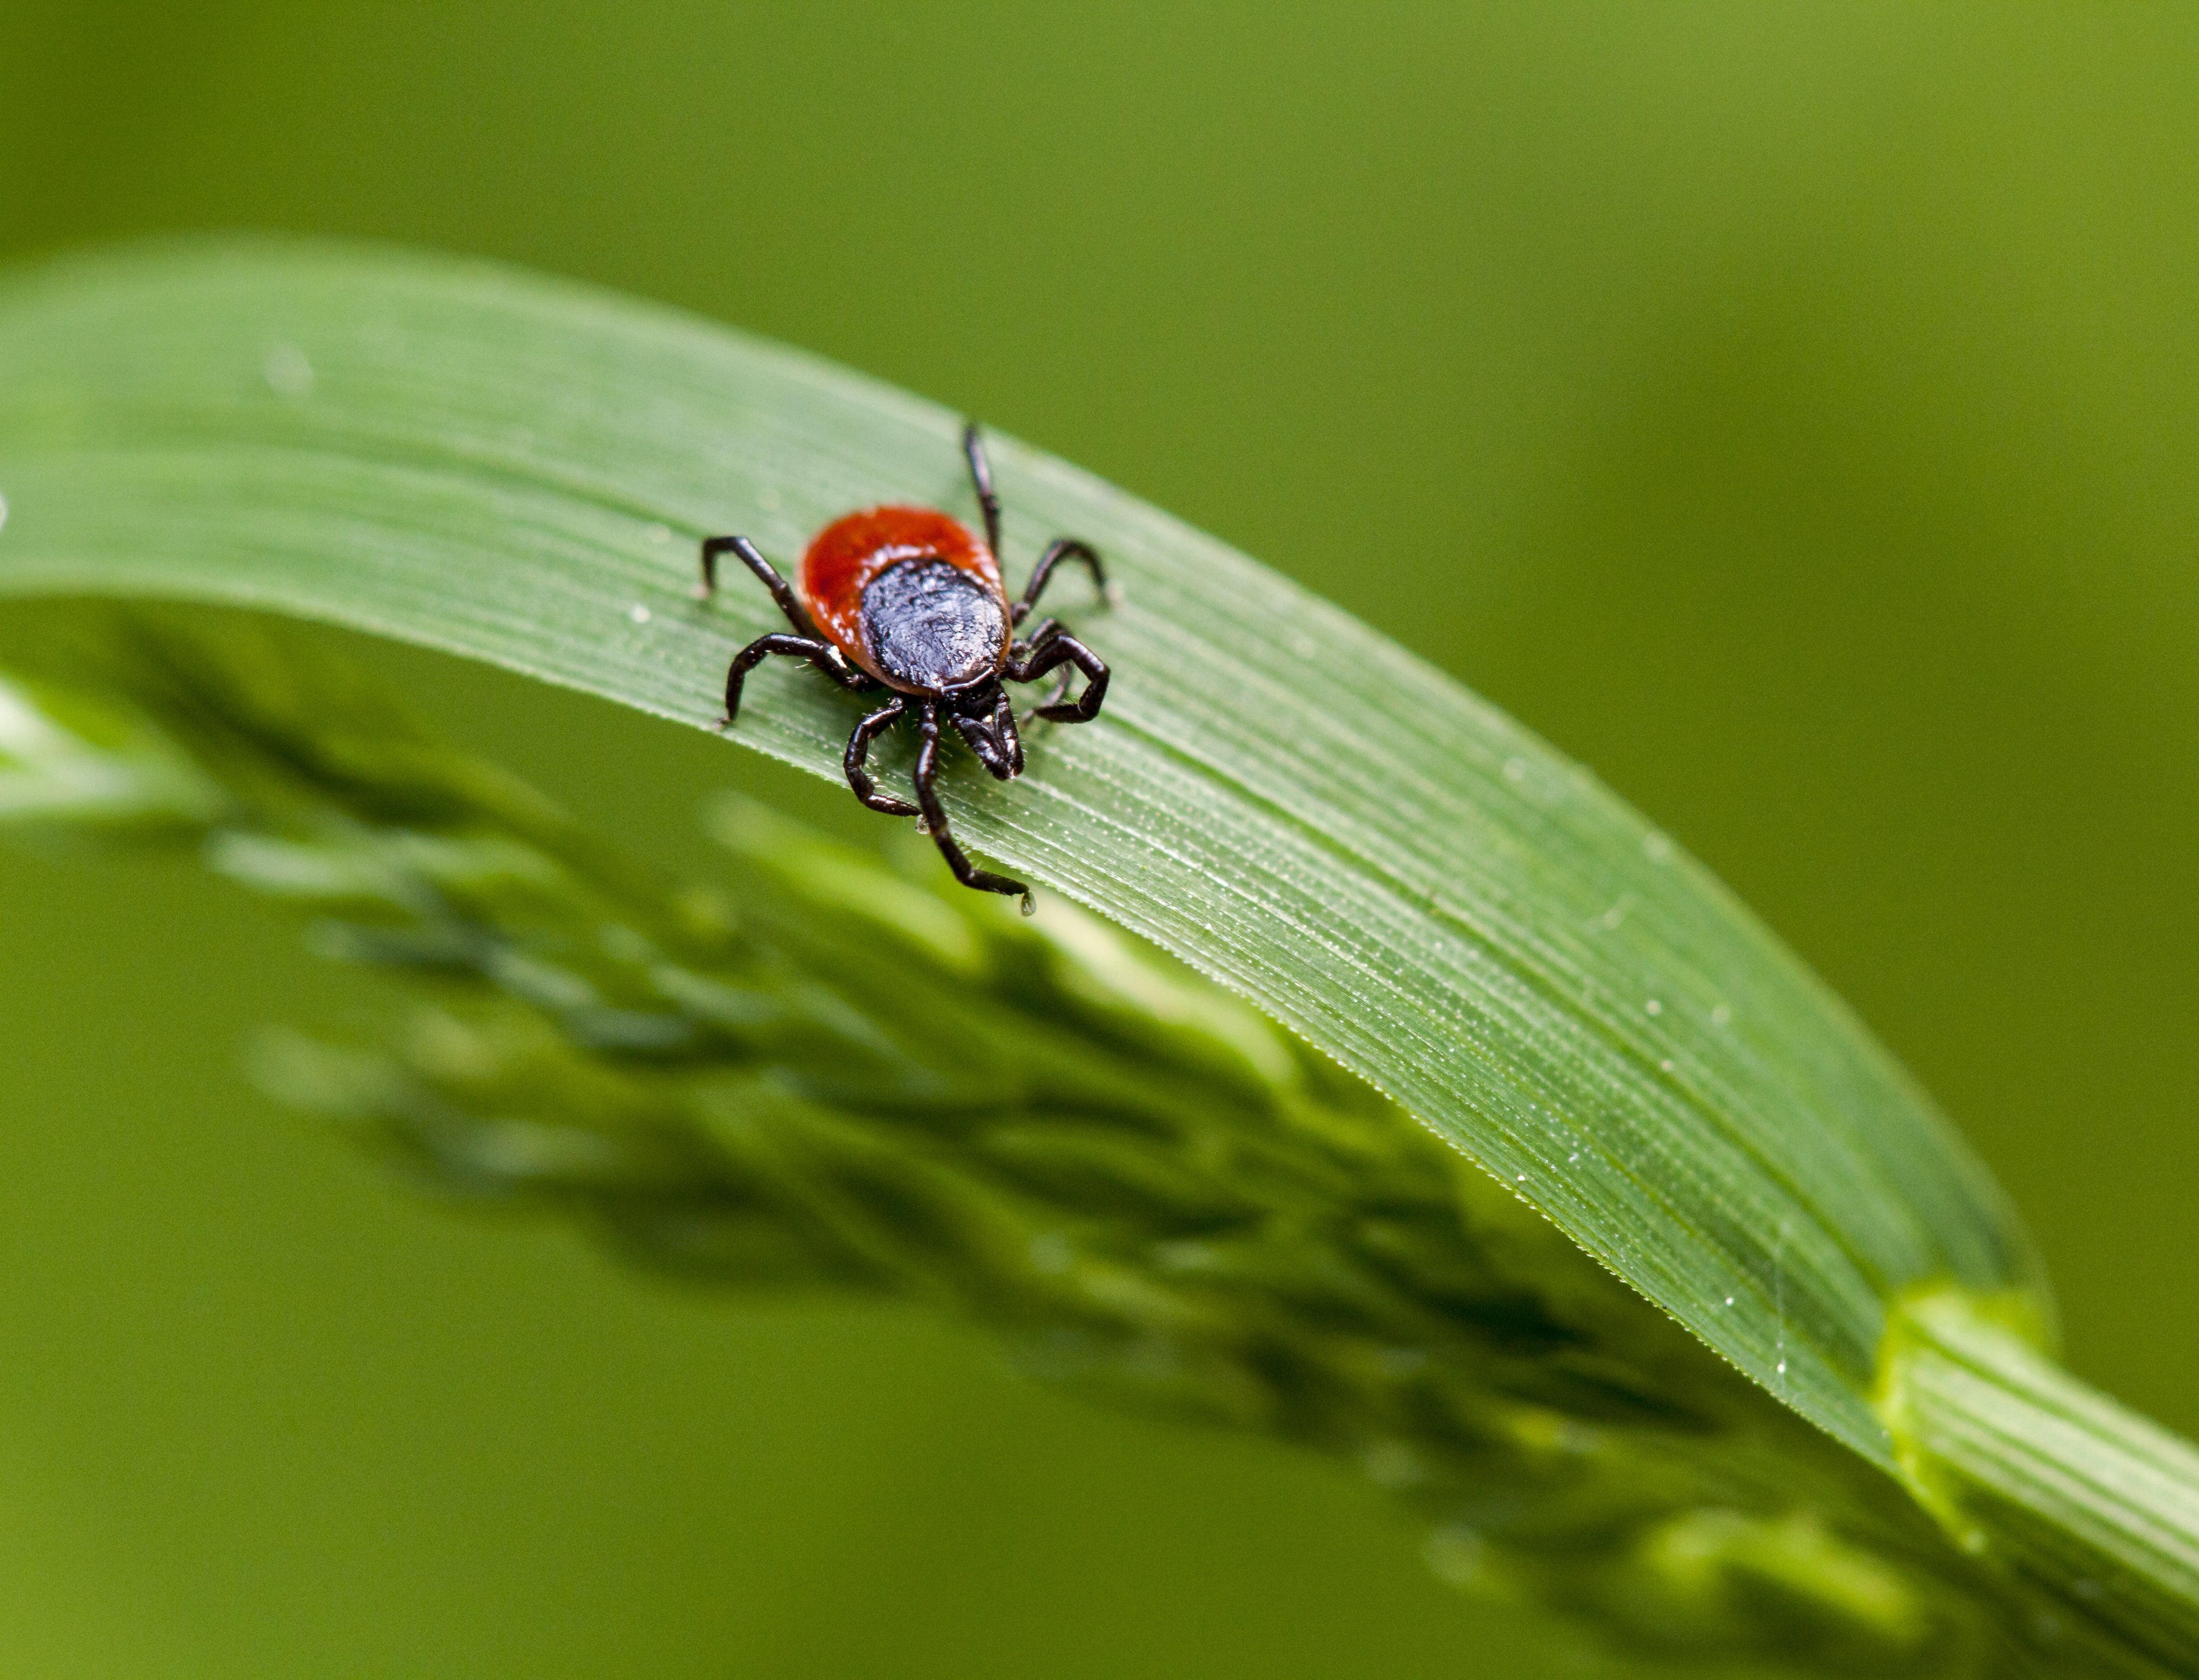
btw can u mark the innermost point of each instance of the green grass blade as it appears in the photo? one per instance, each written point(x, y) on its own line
point(2091, 1507)
point(517, 469)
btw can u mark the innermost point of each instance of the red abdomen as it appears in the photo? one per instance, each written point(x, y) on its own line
point(846, 556)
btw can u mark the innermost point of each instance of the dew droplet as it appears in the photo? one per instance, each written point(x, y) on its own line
point(1392, 1464)
point(638, 613)
point(1656, 848)
point(287, 372)
point(1050, 1252)
point(1721, 1015)
point(1655, 1006)
point(1456, 1555)
point(1028, 904)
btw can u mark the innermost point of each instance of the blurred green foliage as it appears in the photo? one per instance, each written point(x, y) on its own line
point(1785, 409)
point(831, 1073)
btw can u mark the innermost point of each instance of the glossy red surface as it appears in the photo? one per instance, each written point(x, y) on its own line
point(847, 554)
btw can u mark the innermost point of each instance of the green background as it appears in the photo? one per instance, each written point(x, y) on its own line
point(1789, 411)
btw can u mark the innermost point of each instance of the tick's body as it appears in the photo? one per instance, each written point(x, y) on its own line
point(909, 599)
point(910, 596)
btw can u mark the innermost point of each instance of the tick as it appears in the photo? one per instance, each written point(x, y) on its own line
point(909, 599)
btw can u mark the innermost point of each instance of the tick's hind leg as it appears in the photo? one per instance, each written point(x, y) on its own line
point(767, 574)
point(1049, 649)
point(857, 763)
point(934, 817)
point(823, 655)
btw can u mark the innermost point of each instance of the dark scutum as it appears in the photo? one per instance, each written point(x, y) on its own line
point(932, 627)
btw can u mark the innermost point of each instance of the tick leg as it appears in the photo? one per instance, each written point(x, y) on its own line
point(1055, 649)
point(1025, 646)
point(1060, 549)
point(935, 816)
point(981, 475)
point(1020, 654)
point(823, 655)
point(1060, 693)
point(714, 546)
point(1004, 720)
point(857, 763)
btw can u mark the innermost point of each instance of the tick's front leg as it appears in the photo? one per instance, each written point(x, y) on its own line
point(935, 820)
point(1048, 653)
point(857, 761)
